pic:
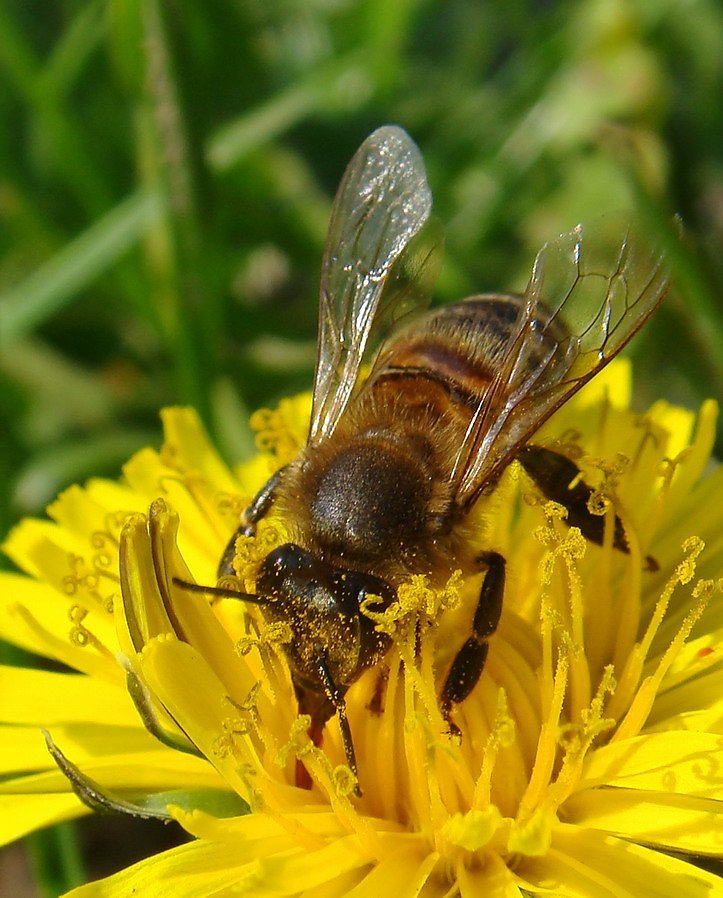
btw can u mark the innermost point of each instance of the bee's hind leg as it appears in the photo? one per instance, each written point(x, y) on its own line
point(559, 479)
point(470, 659)
point(554, 474)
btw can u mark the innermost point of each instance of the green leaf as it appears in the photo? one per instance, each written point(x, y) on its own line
point(219, 802)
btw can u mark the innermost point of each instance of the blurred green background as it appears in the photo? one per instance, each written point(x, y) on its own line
point(167, 171)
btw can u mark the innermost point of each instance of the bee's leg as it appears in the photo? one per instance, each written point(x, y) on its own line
point(259, 506)
point(470, 659)
point(336, 697)
point(553, 473)
point(261, 503)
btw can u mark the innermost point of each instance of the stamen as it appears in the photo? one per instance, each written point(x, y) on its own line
point(81, 636)
point(299, 744)
point(274, 432)
point(640, 707)
point(225, 744)
point(502, 735)
point(547, 745)
point(632, 666)
point(251, 551)
point(627, 612)
point(577, 740)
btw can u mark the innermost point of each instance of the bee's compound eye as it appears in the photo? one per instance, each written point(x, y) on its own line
point(284, 563)
point(288, 557)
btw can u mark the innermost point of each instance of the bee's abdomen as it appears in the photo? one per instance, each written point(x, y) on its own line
point(454, 351)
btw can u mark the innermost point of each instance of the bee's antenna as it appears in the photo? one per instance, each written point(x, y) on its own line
point(219, 592)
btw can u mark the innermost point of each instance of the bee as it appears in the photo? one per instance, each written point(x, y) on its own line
point(395, 460)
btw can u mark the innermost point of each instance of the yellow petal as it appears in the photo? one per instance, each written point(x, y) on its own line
point(189, 871)
point(24, 748)
point(194, 621)
point(81, 568)
point(588, 864)
point(41, 548)
point(187, 442)
point(699, 454)
point(677, 822)
point(178, 675)
point(115, 496)
point(613, 384)
point(679, 762)
point(677, 421)
point(44, 698)
point(313, 825)
point(707, 719)
point(23, 814)
point(154, 606)
point(403, 873)
point(143, 614)
point(31, 802)
point(493, 880)
point(142, 771)
point(94, 518)
point(288, 874)
point(199, 496)
point(36, 617)
point(204, 868)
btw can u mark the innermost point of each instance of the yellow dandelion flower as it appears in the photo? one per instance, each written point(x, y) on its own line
point(589, 759)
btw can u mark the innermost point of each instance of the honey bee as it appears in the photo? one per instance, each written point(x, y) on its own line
point(395, 460)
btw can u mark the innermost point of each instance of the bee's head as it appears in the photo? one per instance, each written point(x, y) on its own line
point(322, 606)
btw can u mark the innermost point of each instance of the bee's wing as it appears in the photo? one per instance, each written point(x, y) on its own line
point(590, 291)
point(373, 268)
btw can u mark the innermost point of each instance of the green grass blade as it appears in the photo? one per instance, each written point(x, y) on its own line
point(323, 88)
point(56, 860)
point(55, 284)
point(81, 38)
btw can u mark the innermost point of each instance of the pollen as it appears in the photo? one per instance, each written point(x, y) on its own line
point(418, 605)
point(299, 744)
point(270, 634)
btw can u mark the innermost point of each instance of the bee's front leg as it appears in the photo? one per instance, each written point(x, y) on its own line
point(470, 659)
point(321, 702)
point(260, 504)
point(336, 696)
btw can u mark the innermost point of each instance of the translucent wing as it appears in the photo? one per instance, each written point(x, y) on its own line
point(373, 268)
point(590, 291)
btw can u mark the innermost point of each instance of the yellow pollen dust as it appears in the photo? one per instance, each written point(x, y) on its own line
point(344, 780)
point(276, 633)
point(417, 604)
point(225, 744)
point(274, 434)
point(251, 551)
point(299, 744)
point(472, 830)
